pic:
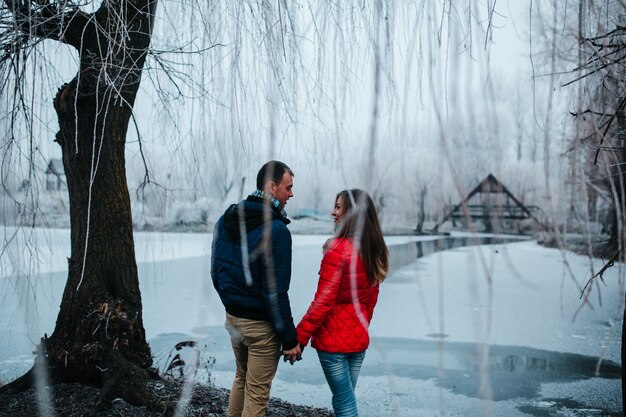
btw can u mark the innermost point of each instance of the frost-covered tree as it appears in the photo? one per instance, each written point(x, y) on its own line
point(600, 77)
point(588, 43)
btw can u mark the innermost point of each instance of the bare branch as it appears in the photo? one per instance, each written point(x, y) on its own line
point(620, 110)
point(600, 273)
point(596, 70)
point(617, 31)
point(45, 20)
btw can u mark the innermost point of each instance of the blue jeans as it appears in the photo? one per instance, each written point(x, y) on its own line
point(341, 371)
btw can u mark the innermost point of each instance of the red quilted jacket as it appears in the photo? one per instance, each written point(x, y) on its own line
point(338, 318)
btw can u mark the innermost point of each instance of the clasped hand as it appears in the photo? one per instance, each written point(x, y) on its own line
point(292, 355)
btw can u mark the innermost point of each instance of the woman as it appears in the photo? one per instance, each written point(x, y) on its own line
point(355, 262)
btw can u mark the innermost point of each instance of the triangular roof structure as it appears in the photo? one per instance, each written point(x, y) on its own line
point(55, 166)
point(489, 185)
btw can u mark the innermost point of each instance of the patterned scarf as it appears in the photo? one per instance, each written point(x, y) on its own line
point(275, 203)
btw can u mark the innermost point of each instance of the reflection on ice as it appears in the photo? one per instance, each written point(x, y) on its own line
point(406, 253)
point(514, 371)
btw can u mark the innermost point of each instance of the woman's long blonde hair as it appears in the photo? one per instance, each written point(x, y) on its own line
point(360, 222)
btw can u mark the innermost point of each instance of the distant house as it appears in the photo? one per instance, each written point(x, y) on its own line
point(55, 176)
point(490, 202)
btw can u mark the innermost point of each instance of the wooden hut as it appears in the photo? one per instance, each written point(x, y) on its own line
point(55, 176)
point(491, 203)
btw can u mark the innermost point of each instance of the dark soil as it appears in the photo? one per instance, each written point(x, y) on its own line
point(75, 400)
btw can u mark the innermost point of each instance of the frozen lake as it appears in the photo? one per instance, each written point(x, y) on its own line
point(471, 331)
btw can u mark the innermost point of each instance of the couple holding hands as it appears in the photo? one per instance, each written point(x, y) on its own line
point(251, 271)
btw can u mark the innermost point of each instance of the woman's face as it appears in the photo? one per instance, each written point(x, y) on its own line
point(338, 210)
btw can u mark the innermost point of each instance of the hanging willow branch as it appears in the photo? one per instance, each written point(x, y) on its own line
point(37, 20)
point(600, 273)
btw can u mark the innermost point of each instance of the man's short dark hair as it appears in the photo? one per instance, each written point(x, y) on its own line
point(271, 171)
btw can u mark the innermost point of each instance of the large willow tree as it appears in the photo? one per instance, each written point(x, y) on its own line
point(99, 336)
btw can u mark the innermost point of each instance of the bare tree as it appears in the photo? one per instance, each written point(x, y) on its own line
point(603, 116)
point(99, 336)
point(421, 213)
point(605, 65)
point(598, 31)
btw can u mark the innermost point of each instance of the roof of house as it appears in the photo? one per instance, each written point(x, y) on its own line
point(489, 185)
point(55, 166)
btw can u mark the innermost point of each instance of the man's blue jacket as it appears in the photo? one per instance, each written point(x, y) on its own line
point(251, 265)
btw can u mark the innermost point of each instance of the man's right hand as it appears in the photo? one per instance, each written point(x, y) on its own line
point(292, 355)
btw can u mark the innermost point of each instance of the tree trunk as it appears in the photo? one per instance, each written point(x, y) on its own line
point(623, 348)
point(618, 235)
point(99, 337)
point(421, 213)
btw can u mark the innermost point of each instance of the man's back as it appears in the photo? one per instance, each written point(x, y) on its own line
point(252, 273)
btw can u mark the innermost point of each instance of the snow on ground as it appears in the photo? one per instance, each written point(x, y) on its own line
point(39, 250)
point(451, 331)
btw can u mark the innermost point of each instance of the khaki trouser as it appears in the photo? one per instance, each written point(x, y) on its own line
point(257, 351)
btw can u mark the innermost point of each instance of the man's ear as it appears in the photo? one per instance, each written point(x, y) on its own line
point(273, 187)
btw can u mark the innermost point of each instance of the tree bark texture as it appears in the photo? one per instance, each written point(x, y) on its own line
point(618, 235)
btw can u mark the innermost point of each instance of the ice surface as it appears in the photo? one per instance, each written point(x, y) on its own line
point(516, 305)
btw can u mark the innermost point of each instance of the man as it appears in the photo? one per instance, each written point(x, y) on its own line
point(251, 271)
